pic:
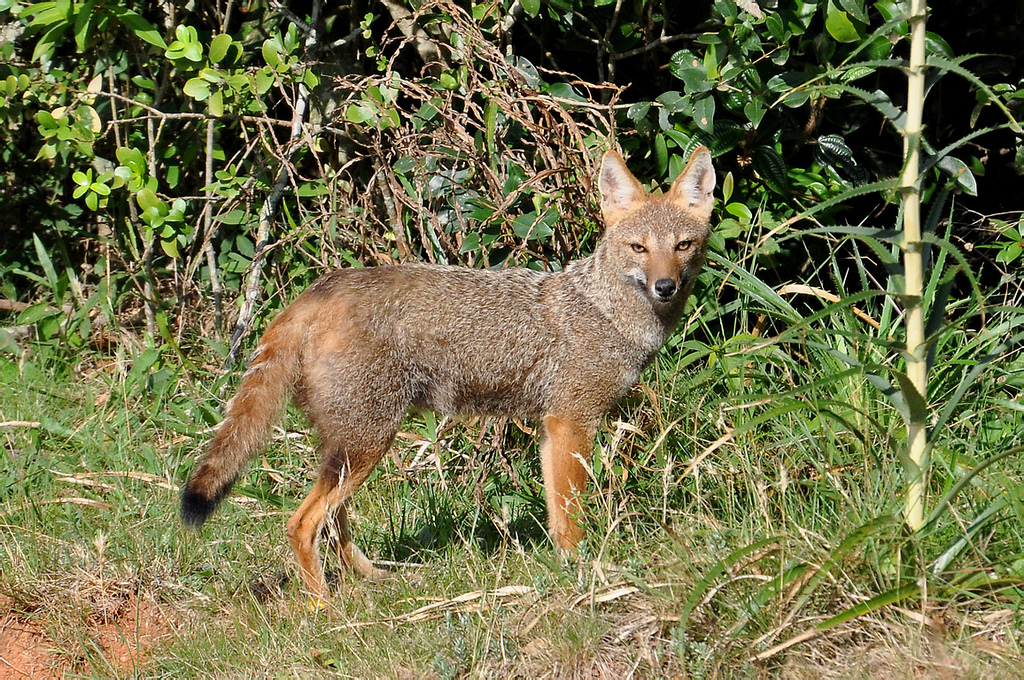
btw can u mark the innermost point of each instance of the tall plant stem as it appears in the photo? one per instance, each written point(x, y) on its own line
point(917, 460)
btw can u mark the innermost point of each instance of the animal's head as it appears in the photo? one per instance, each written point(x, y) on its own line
point(657, 242)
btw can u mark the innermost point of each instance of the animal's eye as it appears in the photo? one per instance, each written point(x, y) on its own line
point(637, 248)
point(684, 245)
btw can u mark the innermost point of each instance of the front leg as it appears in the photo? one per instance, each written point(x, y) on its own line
point(565, 457)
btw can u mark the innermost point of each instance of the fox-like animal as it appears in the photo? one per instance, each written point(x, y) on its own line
point(361, 347)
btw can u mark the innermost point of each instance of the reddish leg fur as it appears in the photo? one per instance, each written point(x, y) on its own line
point(327, 502)
point(564, 451)
point(304, 535)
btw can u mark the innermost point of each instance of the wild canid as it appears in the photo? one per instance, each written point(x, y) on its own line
point(360, 347)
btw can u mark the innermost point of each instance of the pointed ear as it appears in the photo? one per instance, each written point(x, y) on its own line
point(619, 188)
point(692, 189)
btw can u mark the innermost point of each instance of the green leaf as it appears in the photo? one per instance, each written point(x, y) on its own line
point(217, 104)
point(185, 34)
point(942, 506)
point(689, 69)
point(144, 83)
point(1010, 253)
point(170, 247)
point(661, 154)
point(471, 243)
point(565, 91)
point(271, 53)
point(728, 183)
point(674, 102)
point(719, 569)
point(772, 169)
point(219, 47)
point(531, 7)
point(143, 29)
point(875, 603)
point(82, 22)
point(358, 114)
point(448, 81)
point(950, 65)
point(245, 247)
point(34, 313)
point(839, 26)
point(854, 541)
point(530, 226)
point(704, 113)
point(738, 210)
point(147, 199)
point(638, 111)
point(194, 52)
point(961, 174)
point(197, 88)
point(211, 76)
point(44, 48)
point(47, 265)
point(855, 8)
point(917, 408)
point(836, 149)
point(264, 80)
point(754, 111)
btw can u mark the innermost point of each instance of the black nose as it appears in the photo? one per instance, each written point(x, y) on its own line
point(665, 288)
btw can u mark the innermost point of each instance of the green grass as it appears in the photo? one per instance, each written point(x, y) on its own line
point(741, 522)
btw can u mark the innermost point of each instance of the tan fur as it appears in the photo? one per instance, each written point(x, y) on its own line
point(360, 347)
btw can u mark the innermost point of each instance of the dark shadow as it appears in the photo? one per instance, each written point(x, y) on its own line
point(451, 521)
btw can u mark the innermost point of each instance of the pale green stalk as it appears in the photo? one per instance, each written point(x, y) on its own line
point(917, 462)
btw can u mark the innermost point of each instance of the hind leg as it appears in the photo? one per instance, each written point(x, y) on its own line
point(304, 535)
point(356, 399)
point(345, 548)
point(351, 457)
point(326, 502)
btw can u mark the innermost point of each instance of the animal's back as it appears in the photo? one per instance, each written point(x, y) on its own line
point(456, 340)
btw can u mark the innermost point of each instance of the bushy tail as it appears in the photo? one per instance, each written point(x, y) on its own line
point(250, 415)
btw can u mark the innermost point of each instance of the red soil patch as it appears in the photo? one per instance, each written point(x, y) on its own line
point(26, 651)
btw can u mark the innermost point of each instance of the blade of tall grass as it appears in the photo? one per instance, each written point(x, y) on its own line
point(734, 558)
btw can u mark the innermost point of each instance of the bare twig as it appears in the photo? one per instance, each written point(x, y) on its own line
point(405, 20)
point(31, 424)
point(653, 45)
point(548, 157)
point(340, 42)
point(13, 305)
point(208, 230)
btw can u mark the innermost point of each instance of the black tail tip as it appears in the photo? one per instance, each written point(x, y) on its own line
point(195, 508)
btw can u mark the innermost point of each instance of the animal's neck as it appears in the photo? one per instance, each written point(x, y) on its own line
point(622, 303)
